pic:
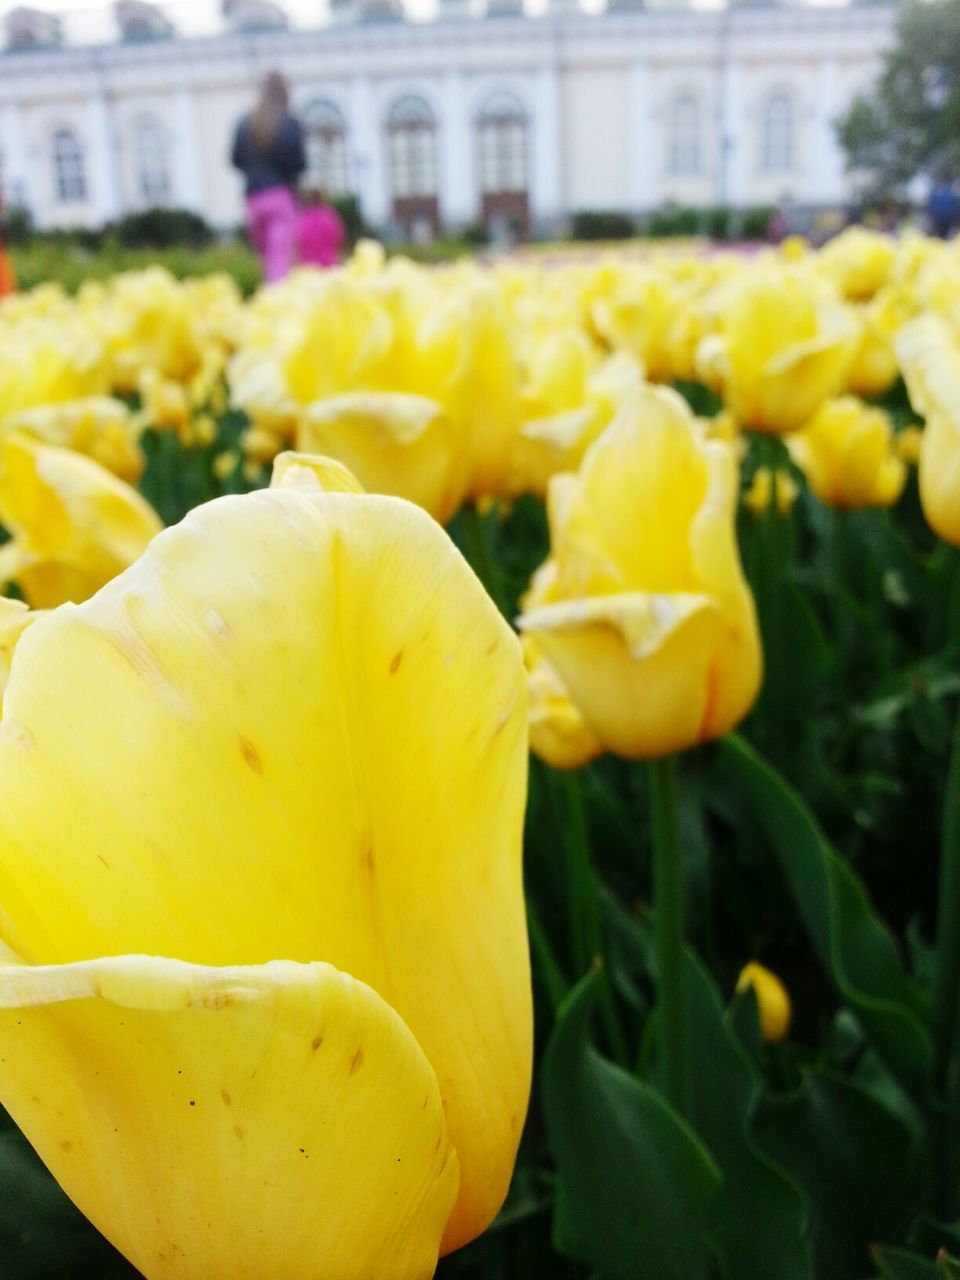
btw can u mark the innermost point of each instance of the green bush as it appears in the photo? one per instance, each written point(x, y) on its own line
point(162, 229)
point(755, 222)
point(673, 220)
point(349, 210)
point(602, 224)
point(16, 225)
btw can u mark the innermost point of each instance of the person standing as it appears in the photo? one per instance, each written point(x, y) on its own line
point(321, 231)
point(943, 209)
point(268, 150)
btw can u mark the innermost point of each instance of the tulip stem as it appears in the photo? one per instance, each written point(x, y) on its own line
point(481, 555)
point(583, 907)
point(946, 993)
point(669, 921)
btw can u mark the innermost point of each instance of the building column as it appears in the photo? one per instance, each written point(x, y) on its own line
point(368, 153)
point(642, 140)
point(459, 201)
point(826, 170)
point(104, 185)
point(734, 134)
point(187, 185)
point(546, 148)
point(16, 166)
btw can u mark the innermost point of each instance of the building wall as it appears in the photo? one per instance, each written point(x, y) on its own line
point(605, 98)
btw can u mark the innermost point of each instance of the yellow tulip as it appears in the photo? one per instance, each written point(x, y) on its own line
point(558, 732)
point(847, 454)
point(908, 443)
point(101, 428)
point(858, 261)
point(784, 346)
point(74, 525)
point(874, 368)
point(650, 623)
point(757, 497)
point(773, 1000)
point(394, 443)
point(266, 955)
point(930, 359)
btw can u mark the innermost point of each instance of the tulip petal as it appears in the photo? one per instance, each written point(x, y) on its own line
point(640, 666)
point(233, 1123)
point(315, 720)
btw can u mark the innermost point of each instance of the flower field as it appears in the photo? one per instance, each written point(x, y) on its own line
point(480, 769)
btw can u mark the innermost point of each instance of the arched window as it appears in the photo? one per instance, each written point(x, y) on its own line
point(683, 151)
point(326, 140)
point(413, 152)
point(776, 138)
point(502, 125)
point(69, 178)
point(150, 157)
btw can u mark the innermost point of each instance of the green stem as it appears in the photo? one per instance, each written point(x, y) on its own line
point(669, 913)
point(946, 992)
point(583, 907)
point(481, 555)
point(554, 983)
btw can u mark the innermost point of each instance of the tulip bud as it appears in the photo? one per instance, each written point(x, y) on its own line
point(773, 1000)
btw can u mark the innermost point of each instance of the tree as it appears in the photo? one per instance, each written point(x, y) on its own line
point(909, 125)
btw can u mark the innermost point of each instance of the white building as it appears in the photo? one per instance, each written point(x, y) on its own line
point(444, 121)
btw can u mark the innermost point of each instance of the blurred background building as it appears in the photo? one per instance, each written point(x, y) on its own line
point(459, 118)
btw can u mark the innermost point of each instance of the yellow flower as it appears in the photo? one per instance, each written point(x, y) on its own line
point(266, 955)
point(858, 262)
point(908, 443)
point(847, 454)
point(930, 360)
point(394, 442)
point(74, 525)
point(97, 426)
point(757, 497)
point(165, 404)
point(558, 732)
point(773, 1001)
point(650, 625)
point(874, 369)
point(783, 347)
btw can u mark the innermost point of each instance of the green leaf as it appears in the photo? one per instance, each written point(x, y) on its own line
point(635, 1186)
point(762, 1217)
point(900, 1264)
point(854, 1159)
point(854, 946)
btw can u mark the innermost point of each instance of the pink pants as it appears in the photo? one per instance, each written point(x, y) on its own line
point(272, 216)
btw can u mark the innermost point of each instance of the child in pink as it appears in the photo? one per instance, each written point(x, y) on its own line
point(320, 232)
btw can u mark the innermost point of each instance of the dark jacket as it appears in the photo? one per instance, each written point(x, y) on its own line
point(279, 166)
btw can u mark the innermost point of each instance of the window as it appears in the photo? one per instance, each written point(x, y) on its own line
point(683, 152)
point(69, 179)
point(326, 142)
point(502, 127)
point(150, 151)
point(776, 141)
point(412, 141)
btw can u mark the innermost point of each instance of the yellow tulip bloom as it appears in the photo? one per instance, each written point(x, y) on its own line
point(15, 617)
point(650, 623)
point(847, 454)
point(266, 955)
point(773, 1000)
point(102, 428)
point(930, 359)
point(858, 261)
point(784, 346)
point(74, 525)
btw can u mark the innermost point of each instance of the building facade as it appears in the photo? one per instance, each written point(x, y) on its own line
point(455, 120)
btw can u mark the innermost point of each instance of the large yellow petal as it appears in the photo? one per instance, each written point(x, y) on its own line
point(231, 1124)
point(295, 728)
